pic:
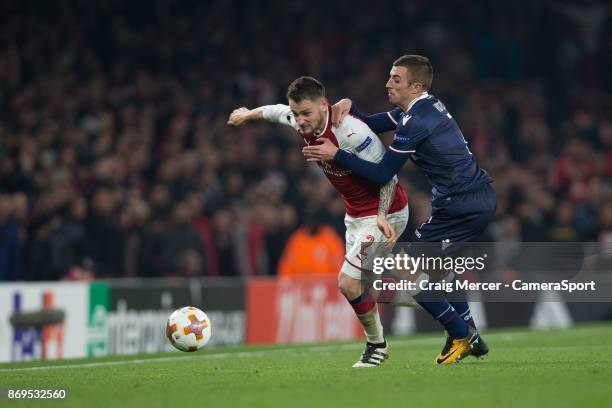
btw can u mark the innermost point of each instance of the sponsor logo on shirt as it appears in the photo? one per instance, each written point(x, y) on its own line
point(333, 169)
point(401, 138)
point(439, 106)
point(364, 145)
point(405, 119)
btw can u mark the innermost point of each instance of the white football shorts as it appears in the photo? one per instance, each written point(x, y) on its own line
point(360, 232)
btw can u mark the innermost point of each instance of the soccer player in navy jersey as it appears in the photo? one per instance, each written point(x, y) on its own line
point(463, 201)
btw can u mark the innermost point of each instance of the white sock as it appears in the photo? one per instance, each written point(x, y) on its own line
point(372, 326)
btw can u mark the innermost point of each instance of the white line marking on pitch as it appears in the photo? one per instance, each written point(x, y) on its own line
point(247, 354)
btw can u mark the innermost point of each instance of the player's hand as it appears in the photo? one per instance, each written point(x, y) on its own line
point(239, 117)
point(321, 152)
point(387, 229)
point(340, 110)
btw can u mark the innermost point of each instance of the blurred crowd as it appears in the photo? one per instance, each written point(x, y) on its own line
point(115, 157)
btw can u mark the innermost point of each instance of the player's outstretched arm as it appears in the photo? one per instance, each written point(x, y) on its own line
point(380, 172)
point(270, 113)
point(243, 115)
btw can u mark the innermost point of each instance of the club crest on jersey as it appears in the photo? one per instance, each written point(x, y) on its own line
point(364, 145)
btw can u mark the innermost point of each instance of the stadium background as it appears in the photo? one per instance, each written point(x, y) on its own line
point(116, 162)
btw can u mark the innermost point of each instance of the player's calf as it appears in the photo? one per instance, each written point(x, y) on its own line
point(366, 310)
point(364, 306)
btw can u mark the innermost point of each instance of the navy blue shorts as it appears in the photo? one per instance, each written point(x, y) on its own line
point(459, 218)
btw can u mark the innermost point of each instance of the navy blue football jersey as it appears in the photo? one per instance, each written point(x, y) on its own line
point(432, 138)
point(429, 135)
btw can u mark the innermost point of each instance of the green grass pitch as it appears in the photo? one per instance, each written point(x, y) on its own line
point(557, 368)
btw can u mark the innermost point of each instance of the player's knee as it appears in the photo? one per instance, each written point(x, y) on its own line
point(349, 287)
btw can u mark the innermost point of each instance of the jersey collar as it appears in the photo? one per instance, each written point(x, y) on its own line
point(425, 95)
point(327, 123)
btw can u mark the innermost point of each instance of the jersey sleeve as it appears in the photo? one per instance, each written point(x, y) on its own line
point(279, 114)
point(378, 122)
point(369, 152)
point(380, 172)
point(354, 136)
point(411, 133)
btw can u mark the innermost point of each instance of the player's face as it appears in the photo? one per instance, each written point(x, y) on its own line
point(399, 86)
point(309, 114)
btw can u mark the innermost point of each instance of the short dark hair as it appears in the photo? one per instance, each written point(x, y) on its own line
point(305, 88)
point(420, 68)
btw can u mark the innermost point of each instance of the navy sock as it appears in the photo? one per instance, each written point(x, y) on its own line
point(442, 311)
point(459, 301)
